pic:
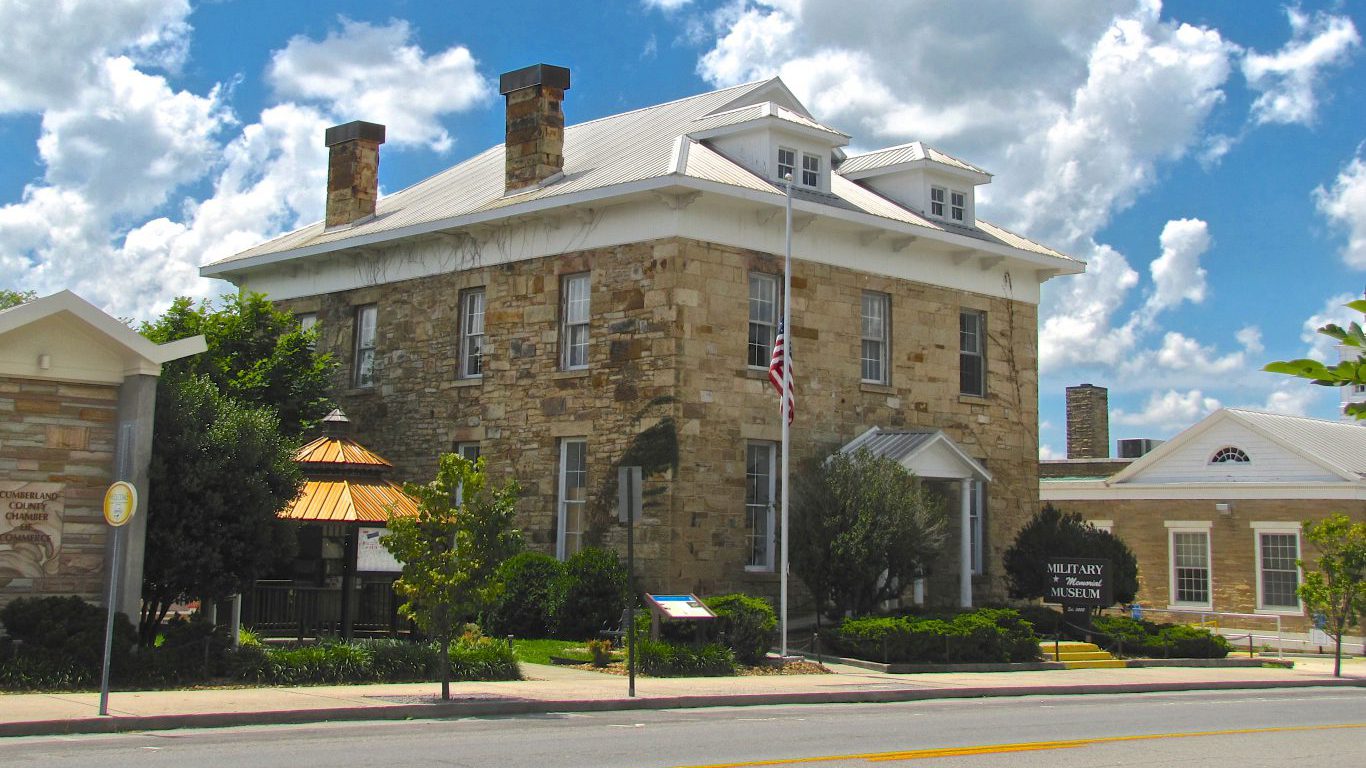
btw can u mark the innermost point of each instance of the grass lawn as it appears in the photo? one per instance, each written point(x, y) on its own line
point(540, 651)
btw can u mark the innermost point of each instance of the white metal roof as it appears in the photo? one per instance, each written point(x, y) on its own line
point(905, 445)
point(631, 151)
point(901, 154)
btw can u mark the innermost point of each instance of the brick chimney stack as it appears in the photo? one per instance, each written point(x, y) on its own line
point(535, 124)
point(1088, 422)
point(352, 171)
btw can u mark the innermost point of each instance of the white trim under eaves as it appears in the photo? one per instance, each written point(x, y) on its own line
point(656, 183)
point(1064, 490)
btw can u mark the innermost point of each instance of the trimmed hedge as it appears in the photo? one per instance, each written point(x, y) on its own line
point(986, 635)
point(662, 659)
point(590, 594)
point(1145, 638)
point(392, 661)
point(525, 605)
point(58, 642)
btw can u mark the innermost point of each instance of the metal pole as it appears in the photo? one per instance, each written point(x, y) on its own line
point(631, 600)
point(109, 621)
point(782, 406)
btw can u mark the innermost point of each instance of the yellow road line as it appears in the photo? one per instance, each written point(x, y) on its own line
point(1031, 746)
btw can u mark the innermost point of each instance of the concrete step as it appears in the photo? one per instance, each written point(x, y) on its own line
point(1076, 655)
point(1097, 664)
point(1084, 656)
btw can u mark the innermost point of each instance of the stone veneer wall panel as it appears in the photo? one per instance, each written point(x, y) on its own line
point(56, 432)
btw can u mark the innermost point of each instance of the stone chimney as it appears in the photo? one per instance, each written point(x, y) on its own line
point(352, 171)
point(535, 124)
point(1088, 422)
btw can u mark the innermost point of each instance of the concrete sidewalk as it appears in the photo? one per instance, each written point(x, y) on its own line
point(559, 689)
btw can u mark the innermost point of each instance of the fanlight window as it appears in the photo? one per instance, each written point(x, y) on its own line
point(1229, 454)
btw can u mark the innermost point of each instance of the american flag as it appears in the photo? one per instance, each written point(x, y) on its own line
point(780, 374)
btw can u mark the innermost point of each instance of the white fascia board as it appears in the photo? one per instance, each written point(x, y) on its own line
point(588, 198)
point(1089, 491)
point(773, 123)
point(923, 163)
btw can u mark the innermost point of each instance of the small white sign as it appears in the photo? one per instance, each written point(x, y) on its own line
point(371, 556)
point(1319, 637)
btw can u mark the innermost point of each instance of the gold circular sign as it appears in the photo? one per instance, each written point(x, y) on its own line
point(120, 501)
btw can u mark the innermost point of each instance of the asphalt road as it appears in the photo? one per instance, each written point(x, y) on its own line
point(1237, 728)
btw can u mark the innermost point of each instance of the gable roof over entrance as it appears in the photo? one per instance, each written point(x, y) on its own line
point(926, 453)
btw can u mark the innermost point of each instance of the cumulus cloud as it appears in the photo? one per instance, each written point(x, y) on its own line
point(1288, 80)
point(1169, 411)
point(1177, 274)
point(1250, 336)
point(1344, 205)
point(665, 5)
point(377, 73)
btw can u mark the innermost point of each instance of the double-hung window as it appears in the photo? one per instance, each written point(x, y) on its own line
point(1188, 548)
point(573, 494)
point(763, 318)
point(937, 199)
point(759, 494)
point(811, 171)
point(972, 359)
point(874, 330)
point(472, 333)
point(363, 362)
point(1278, 575)
point(957, 205)
point(787, 163)
point(574, 321)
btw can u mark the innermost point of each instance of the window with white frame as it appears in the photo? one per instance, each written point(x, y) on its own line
point(787, 163)
point(937, 200)
point(472, 333)
point(363, 362)
point(763, 318)
point(468, 449)
point(874, 329)
point(977, 509)
point(972, 359)
point(811, 171)
point(574, 321)
point(1230, 455)
point(573, 496)
point(1188, 550)
point(307, 320)
point(958, 205)
point(760, 491)
point(1278, 575)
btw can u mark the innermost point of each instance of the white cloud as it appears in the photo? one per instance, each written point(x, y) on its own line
point(1250, 336)
point(1170, 410)
point(665, 5)
point(1177, 274)
point(1321, 347)
point(52, 50)
point(1344, 204)
point(1288, 80)
point(1048, 452)
point(1081, 330)
point(378, 74)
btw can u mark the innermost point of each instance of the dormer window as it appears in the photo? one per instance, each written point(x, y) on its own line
point(957, 205)
point(937, 201)
point(787, 163)
point(811, 170)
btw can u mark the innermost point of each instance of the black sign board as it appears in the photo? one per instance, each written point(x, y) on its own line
point(1079, 581)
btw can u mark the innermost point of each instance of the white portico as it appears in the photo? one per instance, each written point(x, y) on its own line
point(930, 454)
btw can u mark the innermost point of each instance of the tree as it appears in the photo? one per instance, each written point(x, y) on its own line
point(862, 529)
point(1337, 588)
point(9, 298)
point(256, 353)
point(1056, 534)
point(219, 472)
point(452, 550)
point(1346, 372)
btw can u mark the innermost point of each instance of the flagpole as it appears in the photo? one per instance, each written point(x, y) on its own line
point(783, 404)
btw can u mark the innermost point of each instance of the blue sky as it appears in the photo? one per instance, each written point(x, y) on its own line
point(1205, 158)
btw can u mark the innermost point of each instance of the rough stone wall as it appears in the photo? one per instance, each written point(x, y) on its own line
point(54, 432)
point(1088, 422)
point(668, 373)
point(1233, 559)
point(352, 181)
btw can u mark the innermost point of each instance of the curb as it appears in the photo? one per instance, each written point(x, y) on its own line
point(454, 709)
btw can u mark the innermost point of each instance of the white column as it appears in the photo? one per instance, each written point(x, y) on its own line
point(965, 543)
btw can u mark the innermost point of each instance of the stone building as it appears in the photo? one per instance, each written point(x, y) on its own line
point(77, 397)
point(607, 294)
point(1214, 515)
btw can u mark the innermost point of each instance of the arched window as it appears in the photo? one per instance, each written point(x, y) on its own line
point(1228, 454)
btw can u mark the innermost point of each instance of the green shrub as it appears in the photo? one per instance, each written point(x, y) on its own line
point(58, 643)
point(590, 594)
point(661, 659)
point(402, 661)
point(985, 635)
point(524, 604)
point(483, 658)
point(1122, 634)
point(745, 623)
